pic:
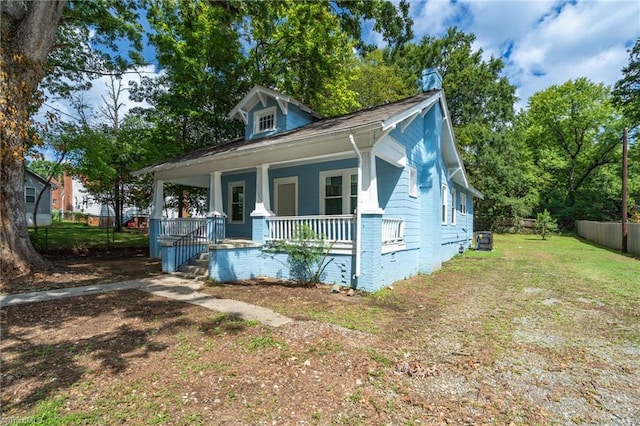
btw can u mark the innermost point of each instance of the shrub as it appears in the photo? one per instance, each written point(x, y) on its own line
point(307, 255)
point(545, 224)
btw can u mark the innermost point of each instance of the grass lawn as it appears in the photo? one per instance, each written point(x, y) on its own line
point(80, 236)
point(534, 332)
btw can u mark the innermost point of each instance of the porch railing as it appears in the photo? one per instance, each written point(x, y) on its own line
point(190, 246)
point(392, 230)
point(179, 227)
point(334, 228)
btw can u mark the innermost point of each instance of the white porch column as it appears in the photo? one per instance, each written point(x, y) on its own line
point(369, 186)
point(158, 199)
point(262, 207)
point(215, 194)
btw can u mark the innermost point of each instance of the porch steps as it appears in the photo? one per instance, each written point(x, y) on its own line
point(197, 269)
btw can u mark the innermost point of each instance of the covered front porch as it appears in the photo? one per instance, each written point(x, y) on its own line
point(180, 240)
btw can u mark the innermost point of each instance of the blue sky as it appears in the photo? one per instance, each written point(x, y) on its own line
point(541, 42)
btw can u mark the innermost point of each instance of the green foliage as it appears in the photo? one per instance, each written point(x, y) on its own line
point(298, 48)
point(307, 255)
point(545, 224)
point(378, 82)
point(626, 92)
point(573, 132)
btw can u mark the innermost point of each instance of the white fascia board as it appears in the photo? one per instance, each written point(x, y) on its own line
point(283, 104)
point(447, 137)
point(272, 152)
point(262, 97)
point(391, 151)
point(408, 113)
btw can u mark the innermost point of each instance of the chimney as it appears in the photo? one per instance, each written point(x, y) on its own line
point(431, 80)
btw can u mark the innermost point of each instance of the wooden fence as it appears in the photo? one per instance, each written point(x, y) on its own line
point(609, 234)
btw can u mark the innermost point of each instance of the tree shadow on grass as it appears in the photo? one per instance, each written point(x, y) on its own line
point(48, 347)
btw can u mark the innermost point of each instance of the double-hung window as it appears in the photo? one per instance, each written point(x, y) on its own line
point(264, 120)
point(463, 203)
point(30, 195)
point(444, 195)
point(236, 202)
point(453, 206)
point(338, 192)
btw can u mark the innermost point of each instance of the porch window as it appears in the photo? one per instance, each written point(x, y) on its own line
point(463, 203)
point(453, 206)
point(444, 196)
point(264, 120)
point(30, 195)
point(236, 202)
point(339, 192)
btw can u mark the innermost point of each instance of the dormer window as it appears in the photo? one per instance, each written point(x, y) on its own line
point(264, 120)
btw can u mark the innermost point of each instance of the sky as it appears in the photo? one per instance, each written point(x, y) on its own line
point(541, 42)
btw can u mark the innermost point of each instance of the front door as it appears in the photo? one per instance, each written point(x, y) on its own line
point(286, 196)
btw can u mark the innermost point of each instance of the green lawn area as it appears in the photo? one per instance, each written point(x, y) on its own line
point(80, 236)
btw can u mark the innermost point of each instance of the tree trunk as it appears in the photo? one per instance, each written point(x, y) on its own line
point(28, 30)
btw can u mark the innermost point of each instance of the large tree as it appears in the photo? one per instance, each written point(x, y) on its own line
point(573, 131)
point(28, 30)
point(40, 38)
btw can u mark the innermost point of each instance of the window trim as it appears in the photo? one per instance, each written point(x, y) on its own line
point(26, 200)
point(444, 204)
point(230, 187)
point(413, 182)
point(263, 113)
point(463, 203)
point(346, 187)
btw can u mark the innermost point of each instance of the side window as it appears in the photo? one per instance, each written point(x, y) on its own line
point(453, 206)
point(30, 195)
point(236, 202)
point(463, 203)
point(413, 182)
point(264, 120)
point(444, 195)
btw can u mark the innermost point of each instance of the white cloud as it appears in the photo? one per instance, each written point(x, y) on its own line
point(542, 42)
point(95, 96)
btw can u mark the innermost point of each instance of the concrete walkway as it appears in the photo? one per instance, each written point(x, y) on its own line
point(168, 286)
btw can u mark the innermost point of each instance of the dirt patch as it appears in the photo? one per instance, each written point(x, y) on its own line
point(90, 267)
point(467, 345)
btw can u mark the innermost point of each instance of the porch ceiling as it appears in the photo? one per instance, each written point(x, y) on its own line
point(280, 155)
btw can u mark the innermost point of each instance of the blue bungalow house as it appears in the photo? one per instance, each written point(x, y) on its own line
point(386, 185)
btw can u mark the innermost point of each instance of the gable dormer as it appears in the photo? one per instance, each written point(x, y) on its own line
point(266, 112)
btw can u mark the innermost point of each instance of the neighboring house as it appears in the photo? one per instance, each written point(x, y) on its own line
point(33, 184)
point(62, 194)
point(385, 185)
point(83, 202)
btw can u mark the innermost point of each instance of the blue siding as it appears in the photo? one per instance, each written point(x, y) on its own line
point(308, 182)
point(295, 117)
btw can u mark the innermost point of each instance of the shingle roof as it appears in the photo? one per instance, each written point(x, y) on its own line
point(354, 120)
